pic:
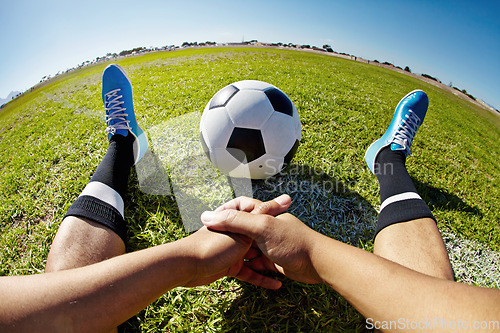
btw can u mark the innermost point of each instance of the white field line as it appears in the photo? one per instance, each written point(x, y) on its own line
point(472, 262)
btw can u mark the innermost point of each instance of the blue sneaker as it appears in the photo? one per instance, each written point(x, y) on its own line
point(408, 117)
point(120, 116)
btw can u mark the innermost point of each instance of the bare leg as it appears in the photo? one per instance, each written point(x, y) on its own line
point(80, 242)
point(417, 245)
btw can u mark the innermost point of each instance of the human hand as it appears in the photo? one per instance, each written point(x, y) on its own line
point(272, 207)
point(284, 240)
point(254, 258)
point(219, 254)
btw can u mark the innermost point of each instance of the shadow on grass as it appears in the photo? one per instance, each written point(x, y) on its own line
point(439, 199)
point(322, 202)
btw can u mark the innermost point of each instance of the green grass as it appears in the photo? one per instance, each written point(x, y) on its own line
point(52, 139)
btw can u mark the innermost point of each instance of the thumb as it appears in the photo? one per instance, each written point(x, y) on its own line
point(239, 222)
point(273, 207)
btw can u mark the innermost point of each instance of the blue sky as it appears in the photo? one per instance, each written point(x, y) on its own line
point(455, 41)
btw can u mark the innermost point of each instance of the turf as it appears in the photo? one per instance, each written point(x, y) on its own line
point(52, 139)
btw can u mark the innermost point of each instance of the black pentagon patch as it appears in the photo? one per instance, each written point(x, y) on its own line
point(204, 146)
point(280, 101)
point(223, 96)
point(291, 153)
point(246, 143)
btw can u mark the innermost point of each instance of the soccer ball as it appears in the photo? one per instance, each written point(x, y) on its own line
point(250, 129)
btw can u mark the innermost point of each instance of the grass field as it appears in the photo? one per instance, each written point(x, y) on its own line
point(52, 139)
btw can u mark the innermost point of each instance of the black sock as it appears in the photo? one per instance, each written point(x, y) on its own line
point(114, 168)
point(399, 199)
point(102, 199)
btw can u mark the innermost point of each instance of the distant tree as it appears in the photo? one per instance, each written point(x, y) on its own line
point(430, 77)
point(328, 48)
point(466, 93)
point(408, 69)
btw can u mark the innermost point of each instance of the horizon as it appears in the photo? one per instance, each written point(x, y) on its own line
point(454, 42)
point(115, 55)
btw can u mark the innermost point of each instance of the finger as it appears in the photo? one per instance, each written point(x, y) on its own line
point(251, 225)
point(257, 279)
point(240, 203)
point(261, 264)
point(273, 207)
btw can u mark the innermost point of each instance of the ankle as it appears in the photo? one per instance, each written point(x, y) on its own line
point(387, 159)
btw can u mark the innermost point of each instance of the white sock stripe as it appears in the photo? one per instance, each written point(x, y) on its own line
point(399, 197)
point(104, 193)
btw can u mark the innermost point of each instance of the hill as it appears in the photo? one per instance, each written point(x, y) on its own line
point(9, 97)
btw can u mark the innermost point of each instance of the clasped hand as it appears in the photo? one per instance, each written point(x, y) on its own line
point(253, 237)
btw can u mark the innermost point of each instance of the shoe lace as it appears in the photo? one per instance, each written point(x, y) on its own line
point(406, 131)
point(116, 118)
